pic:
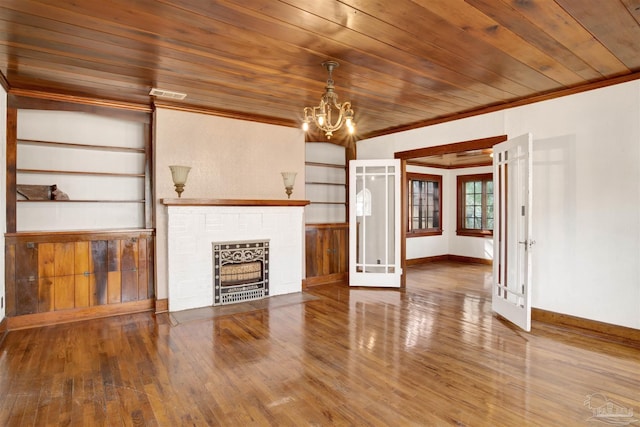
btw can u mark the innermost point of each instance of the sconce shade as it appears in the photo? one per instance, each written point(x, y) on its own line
point(289, 179)
point(179, 175)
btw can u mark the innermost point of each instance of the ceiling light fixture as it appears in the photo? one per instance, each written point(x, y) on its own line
point(322, 115)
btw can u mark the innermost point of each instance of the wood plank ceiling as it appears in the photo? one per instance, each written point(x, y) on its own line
point(403, 64)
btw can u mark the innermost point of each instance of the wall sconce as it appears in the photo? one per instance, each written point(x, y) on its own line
point(289, 179)
point(179, 175)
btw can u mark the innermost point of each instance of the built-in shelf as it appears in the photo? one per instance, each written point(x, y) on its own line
point(326, 183)
point(327, 203)
point(81, 146)
point(80, 201)
point(325, 165)
point(87, 173)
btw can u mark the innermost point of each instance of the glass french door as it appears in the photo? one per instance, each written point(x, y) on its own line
point(512, 242)
point(374, 223)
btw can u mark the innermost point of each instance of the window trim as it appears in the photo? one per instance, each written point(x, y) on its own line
point(460, 211)
point(415, 176)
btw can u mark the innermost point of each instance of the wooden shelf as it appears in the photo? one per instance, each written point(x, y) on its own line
point(328, 203)
point(87, 173)
point(325, 165)
point(81, 146)
point(80, 201)
point(326, 183)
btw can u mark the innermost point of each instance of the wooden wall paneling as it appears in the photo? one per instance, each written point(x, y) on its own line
point(64, 286)
point(46, 274)
point(12, 155)
point(98, 264)
point(327, 251)
point(143, 272)
point(82, 277)
point(324, 251)
point(114, 279)
point(10, 279)
point(26, 295)
point(311, 251)
point(340, 246)
point(151, 288)
point(64, 292)
point(129, 269)
point(53, 272)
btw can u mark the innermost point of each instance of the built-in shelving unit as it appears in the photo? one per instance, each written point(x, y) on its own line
point(326, 183)
point(104, 174)
point(100, 240)
point(327, 230)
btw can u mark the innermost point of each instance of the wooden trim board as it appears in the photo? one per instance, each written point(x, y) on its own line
point(617, 331)
point(162, 305)
point(449, 257)
point(65, 316)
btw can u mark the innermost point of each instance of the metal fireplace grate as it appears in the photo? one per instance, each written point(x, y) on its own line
point(240, 296)
point(241, 271)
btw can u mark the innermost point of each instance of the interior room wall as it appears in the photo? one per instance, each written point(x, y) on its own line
point(586, 194)
point(230, 159)
point(466, 246)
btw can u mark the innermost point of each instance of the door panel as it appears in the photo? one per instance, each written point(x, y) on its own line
point(512, 175)
point(374, 217)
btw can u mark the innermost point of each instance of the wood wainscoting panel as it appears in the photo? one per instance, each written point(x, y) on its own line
point(143, 270)
point(327, 253)
point(114, 279)
point(82, 279)
point(129, 269)
point(10, 279)
point(62, 271)
point(98, 266)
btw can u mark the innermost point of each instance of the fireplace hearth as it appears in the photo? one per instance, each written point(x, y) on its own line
point(240, 271)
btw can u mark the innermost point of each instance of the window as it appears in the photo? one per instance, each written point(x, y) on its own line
point(425, 204)
point(475, 205)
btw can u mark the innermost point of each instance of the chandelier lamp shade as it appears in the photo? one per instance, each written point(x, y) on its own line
point(330, 115)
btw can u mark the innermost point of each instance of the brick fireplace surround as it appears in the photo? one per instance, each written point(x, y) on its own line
point(194, 224)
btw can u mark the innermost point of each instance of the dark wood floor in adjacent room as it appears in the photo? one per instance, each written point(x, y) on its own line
point(428, 356)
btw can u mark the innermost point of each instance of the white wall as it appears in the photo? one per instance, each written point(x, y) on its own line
point(474, 247)
point(230, 159)
point(3, 191)
point(586, 195)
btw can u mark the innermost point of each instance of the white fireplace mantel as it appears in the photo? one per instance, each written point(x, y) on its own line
point(194, 224)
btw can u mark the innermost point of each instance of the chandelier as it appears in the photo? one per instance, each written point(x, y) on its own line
point(324, 114)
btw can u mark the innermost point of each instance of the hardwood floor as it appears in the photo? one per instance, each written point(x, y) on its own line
point(429, 356)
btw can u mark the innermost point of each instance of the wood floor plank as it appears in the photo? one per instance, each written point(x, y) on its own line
point(432, 354)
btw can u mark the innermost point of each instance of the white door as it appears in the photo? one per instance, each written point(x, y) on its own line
point(512, 178)
point(374, 223)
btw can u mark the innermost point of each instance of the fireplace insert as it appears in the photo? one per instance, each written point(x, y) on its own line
point(240, 271)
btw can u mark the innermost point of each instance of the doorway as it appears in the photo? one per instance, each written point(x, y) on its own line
point(473, 156)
